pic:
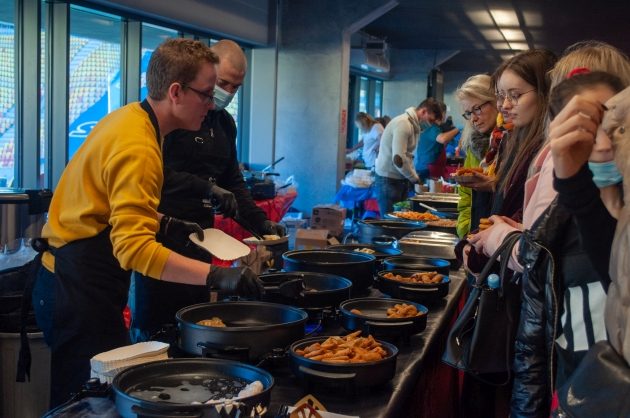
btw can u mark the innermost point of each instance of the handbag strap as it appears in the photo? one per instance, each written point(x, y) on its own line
point(506, 246)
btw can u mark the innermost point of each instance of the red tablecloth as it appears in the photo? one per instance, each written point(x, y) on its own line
point(275, 209)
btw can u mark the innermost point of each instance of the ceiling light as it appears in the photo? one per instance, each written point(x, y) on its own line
point(533, 19)
point(501, 45)
point(480, 17)
point(519, 46)
point(504, 17)
point(513, 34)
point(492, 34)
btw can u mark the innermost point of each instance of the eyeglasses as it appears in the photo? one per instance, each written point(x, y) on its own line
point(476, 110)
point(206, 98)
point(512, 97)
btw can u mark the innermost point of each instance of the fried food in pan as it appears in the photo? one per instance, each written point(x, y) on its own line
point(343, 350)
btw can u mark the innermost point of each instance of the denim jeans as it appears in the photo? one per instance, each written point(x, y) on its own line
point(390, 191)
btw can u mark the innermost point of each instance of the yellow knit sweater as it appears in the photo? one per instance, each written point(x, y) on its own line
point(115, 178)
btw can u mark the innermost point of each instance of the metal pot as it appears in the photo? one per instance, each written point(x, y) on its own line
point(431, 244)
point(253, 329)
point(173, 376)
point(357, 267)
point(370, 230)
point(314, 290)
point(356, 375)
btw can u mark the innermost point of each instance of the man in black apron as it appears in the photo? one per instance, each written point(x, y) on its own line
point(103, 219)
point(191, 160)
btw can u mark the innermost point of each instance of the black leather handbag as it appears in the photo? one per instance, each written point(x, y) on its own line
point(481, 341)
point(599, 387)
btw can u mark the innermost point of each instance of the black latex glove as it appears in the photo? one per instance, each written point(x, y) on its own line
point(273, 228)
point(224, 199)
point(239, 281)
point(178, 229)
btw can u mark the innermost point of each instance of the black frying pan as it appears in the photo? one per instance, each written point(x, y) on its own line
point(373, 319)
point(253, 329)
point(167, 388)
point(305, 289)
point(416, 292)
point(410, 262)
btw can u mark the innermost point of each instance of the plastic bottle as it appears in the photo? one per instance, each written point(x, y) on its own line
point(494, 281)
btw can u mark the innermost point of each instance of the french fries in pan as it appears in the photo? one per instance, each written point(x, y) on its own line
point(349, 349)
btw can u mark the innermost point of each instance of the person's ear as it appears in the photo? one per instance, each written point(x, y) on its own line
point(175, 91)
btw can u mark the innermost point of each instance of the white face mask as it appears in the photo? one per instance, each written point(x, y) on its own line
point(222, 98)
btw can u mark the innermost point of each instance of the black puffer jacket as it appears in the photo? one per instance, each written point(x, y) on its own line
point(563, 278)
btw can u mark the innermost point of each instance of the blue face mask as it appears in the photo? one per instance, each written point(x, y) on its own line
point(222, 98)
point(605, 174)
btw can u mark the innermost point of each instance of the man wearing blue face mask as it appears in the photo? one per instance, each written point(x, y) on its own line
point(199, 167)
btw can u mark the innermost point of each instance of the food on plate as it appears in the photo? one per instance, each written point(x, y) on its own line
point(402, 310)
point(212, 322)
point(416, 216)
point(343, 350)
point(484, 223)
point(468, 171)
point(444, 223)
point(356, 311)
point(424, 277)
point(365, 250)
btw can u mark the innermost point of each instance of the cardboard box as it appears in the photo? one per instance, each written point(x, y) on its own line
point(330, 217)
point(309, 239)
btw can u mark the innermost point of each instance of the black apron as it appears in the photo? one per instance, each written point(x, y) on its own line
point(90, 293)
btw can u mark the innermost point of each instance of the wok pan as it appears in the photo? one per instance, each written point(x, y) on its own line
point(167, 388)
point(416, 292)
point(373, 317)
point(253, 329)
point(305, 289)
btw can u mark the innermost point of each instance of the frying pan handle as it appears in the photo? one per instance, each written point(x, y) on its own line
point(151, 413)
point(318, 374)
point(226, 352)
point(419, 289)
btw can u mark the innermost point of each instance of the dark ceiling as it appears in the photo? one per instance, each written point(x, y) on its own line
point(472, 27)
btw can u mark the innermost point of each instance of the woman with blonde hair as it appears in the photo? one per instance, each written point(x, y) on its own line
point(478, 103)
point(371, 132)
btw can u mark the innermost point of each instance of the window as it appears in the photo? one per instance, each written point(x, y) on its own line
point(378, 99)
point(94, 69)
point(42, 98)
point(363, 94)
point(7, 93)
point(152, 36)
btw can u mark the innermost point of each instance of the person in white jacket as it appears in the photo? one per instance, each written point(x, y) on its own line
point(394, 164)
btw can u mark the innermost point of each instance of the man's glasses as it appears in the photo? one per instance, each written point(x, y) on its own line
point(206, 98)
point(512, 97)
point(476, 110)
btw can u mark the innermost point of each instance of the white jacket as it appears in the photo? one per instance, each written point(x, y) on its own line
point(400, 138)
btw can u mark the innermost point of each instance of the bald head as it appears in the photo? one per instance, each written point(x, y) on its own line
point(230, 53)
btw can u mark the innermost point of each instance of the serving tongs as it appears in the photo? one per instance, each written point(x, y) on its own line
point(247, 226)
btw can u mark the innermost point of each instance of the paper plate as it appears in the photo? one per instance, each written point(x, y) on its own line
point(221, 245)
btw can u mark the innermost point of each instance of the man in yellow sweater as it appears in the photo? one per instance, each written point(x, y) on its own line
point(103, 219)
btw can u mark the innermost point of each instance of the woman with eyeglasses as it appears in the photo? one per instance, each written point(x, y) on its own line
point(522, 90)
point(478, 102)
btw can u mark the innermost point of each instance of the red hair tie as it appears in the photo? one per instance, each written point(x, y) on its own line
point(578, 70)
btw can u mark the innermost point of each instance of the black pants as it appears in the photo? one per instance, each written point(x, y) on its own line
point(79, 309)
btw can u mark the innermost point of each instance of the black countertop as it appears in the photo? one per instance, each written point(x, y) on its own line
point(384, 401)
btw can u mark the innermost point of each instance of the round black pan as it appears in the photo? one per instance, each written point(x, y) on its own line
point(416, 292)
point(373, 317)
point(410, 262)
point(305, 289)
point(171, 373)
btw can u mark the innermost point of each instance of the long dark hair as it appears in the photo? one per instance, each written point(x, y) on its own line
point(524, 142)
